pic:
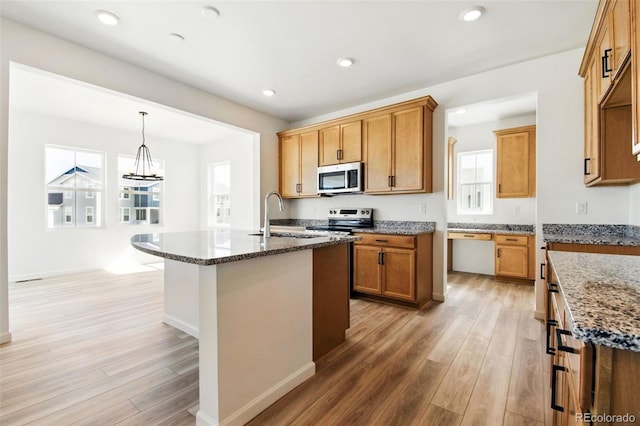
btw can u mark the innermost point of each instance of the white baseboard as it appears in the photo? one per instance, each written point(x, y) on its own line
point(48, 274)
point(181, 325)
point(438, 297)
point(5, 337)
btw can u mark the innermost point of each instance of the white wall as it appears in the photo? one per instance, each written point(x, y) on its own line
point(74, 249)
point(479, 137)
point(634, 205)
point(24, 45)
point(242, 153)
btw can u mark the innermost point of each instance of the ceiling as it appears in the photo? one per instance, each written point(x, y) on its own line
point(493, 110)
point(292, 46)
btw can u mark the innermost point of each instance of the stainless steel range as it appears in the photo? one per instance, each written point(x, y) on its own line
point(346, 220)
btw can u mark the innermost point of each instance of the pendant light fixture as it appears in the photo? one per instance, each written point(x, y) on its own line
point(143, 161)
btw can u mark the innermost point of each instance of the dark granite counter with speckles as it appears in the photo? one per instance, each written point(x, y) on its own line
point(491, 228)
point(216, 247)
point(602, 297)
point(611, 235)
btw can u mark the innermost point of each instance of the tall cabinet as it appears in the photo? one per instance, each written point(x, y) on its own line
point(611, 77)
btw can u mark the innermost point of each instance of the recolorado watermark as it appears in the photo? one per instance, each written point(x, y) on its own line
point(605, 418)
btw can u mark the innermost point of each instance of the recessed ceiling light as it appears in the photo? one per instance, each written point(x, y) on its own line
point(107, 18)
point(472, 13)
point(176, 38)
point(268, 92)
point(210, 12)
point(345, 62)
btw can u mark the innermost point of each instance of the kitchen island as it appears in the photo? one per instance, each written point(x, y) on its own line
point(254, 311)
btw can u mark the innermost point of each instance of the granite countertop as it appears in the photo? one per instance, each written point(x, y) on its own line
point(379, 226)
point(492, 228)
point(216, 247)
point(611, 235)
point(602, 297)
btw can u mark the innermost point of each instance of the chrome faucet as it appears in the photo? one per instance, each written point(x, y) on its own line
point(267, 230)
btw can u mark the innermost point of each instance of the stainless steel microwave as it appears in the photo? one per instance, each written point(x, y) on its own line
point(340, 178)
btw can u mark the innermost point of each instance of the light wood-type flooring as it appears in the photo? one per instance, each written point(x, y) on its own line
point(90, 349)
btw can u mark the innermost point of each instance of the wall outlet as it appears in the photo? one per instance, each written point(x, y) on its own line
point(422, 208)
point(581, 207)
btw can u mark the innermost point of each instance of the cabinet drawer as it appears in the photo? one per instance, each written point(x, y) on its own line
point(469, 236)
point(387, 240)
point(516, 240)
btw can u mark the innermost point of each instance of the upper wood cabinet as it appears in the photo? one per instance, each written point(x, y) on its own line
point(393, 142)
point(516, 162)
point(299, 165)
point(341, 143)
point(613, 44)
point(397, 150)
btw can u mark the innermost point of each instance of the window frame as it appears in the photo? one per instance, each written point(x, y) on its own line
point(489, 184)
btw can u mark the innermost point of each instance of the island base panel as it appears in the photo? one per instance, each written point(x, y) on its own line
point(255, 334)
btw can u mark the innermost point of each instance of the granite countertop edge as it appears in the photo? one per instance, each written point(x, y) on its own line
point(593, 334)
point(492, 228)
point(592, 240)
point(308, 244)
point(491, 231)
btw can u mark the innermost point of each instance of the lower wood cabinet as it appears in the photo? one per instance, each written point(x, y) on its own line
point(590, 383)
point(393, 267)
point(514, 256)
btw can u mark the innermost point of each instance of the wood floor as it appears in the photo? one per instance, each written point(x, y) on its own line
point(91, 349)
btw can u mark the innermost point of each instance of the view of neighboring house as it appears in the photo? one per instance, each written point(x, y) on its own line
point(140, 204)
point(73, 199)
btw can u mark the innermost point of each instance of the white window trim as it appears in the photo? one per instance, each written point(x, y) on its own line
point(459, 184)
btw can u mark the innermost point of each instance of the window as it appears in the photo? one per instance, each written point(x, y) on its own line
point(74, 181)
point(219, 199)
point(475, 183)
point(125, 214)
point(143, 197)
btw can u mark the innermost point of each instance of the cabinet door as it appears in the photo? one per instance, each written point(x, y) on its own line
point(399, 273)
point(289, 165)
point(308, 164)
point(605, 67)
point(329, 145)
point(591, 124)
point(351, 142)
point(366, 269)
point(512, 261)
point(408, 150)
point(377, 150)
point(513, 165)
point(620, 30)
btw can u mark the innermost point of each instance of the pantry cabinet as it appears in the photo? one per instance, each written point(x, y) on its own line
point(341, 143)
point(299, 164)
point(516, 162)
point(395, 268)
